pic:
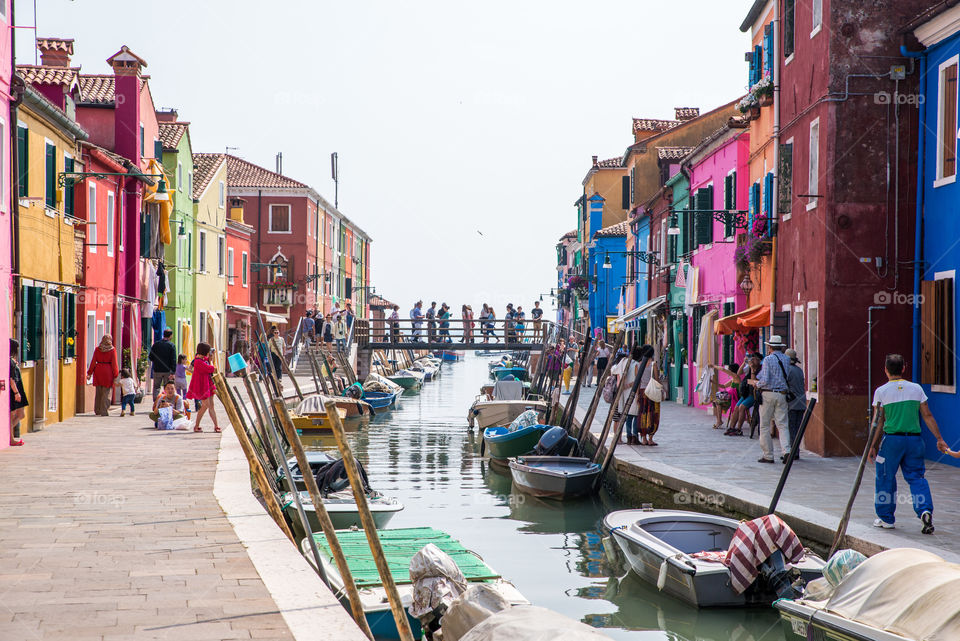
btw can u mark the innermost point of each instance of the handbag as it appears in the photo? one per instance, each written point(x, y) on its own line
point(610, 388)
point(790, 396)
point(654, 390)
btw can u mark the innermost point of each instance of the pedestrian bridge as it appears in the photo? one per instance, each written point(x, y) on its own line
point(455, 334)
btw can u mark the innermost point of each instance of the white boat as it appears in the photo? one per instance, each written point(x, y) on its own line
point(658, 545)
point(901, 594)
point(342, 509)
point(485, 413)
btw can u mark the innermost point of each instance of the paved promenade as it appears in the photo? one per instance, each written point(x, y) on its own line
point(111, 530)
point(697, 464)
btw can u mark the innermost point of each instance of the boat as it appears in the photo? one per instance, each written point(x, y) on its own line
point(491, 352)
point(502, 444)
point(316, 404)
point(559, 477)
point(485, 413)
point(399, 546)
point(900, 594)
point(500, 373)
point(659, 543)
point(486, 389)
point(317, 461)
point(428, 370)
point(408, 379)
point(342, 508)
point(381, 400)
point(318, 422)
point(450, 355)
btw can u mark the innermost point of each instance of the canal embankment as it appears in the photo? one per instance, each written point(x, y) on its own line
point(697, 467)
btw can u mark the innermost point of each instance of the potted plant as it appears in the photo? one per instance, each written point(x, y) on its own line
point(748, 105)
point(763, 91)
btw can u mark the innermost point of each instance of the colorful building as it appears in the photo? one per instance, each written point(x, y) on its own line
point(608, 272)
point(210, 256)
point(240, 314)
point(7, 208)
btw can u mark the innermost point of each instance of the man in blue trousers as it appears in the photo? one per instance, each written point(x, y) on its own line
point(902, 403)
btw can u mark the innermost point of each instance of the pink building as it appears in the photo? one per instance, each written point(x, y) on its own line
point(719, 180)
point(7, 121)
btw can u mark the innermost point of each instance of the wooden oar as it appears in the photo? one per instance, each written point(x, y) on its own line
point(598, 394)
point(369, 527)
point(875, 426)
point(794, 448)
point(608, 459)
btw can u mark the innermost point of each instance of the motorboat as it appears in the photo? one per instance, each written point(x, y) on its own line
point(316, 404)
point(659, 546)
point(342, 508)
point(502, 443)
point(499, 373)
point(399, 547)
point(900, 594)
point(408, 378)
point(558, 477)
point(382, 400)
point(484, 413)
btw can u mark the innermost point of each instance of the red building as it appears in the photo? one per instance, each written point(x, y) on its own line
point(240, 313)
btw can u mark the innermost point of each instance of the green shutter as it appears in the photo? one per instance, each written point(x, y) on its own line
point(687, 229)
point(51, 167)
point(32, 324)
point(68, 188)
point(23, 162)
point(704, 221)
point(69, 325)
point(145, 225)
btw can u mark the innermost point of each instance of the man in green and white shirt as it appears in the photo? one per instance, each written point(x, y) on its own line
point(902, 403)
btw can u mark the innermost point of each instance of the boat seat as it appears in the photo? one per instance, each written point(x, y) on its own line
point(508, 391)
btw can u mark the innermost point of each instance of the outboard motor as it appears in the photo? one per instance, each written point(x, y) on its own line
point(555, 442)
point(778, 578)
point(332, 477)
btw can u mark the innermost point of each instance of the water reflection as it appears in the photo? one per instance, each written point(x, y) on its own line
point(423, 454)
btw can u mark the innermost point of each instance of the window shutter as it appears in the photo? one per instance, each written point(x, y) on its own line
point(145, 225)
point(51, 176)
point(23, 161)
point(788, 27)
point(687, 229)
point(730, 202)
point(633, 186)
point(768, 201)
point(750, 73)
point(949, 133)
point(785, 186)
point(68, 188)
point(781, 325)
point(158, 152)
point(69, 324)
point(704, 222)
point(768, 49)
point(625, 192)
point(32, 322)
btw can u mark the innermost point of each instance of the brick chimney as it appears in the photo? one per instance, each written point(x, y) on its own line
point(167, 115)
point(686, 113)
point(126, 98)
point(55, 52)
point(594, 161)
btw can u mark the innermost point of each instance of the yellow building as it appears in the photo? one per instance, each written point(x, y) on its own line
point(49, 250)
point(210, 258)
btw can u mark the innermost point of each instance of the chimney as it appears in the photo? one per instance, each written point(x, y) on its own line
point(126, 63)
point(236, 209)
point(167, 115)
point(594, 161)
point(55, 52)
point(126, 99)
point(686, 113)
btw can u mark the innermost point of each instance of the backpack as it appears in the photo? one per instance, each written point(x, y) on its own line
point(610, 388)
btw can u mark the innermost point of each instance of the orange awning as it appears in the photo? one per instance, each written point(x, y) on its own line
point(756, 316)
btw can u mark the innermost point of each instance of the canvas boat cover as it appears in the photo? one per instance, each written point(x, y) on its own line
point(316, 404)
point(905, 591)
point(508, 391)
point(377, 383)
point(531, 623)
point(528, 418)
point(470, 608)
point(437, 580)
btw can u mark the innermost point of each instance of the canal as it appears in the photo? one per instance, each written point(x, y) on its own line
point(424, 455)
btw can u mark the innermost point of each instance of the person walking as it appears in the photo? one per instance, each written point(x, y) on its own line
point(103, 370)
point(163, 361)
point(508, 325)
point(902, 403)
point(648, 419)
point(444, 317)
point(570, 359)
point(348, 316)
point(327, 332)
point(603, 357)
point(201, 386)
point(746, 395)
point(128, 392)
point(277, 347)
point(18, 395)
point(492, 324)
point(431, 324)
point(395, 324)
point(627, 370)
point(484, 310)
point(796, 407)
point(416, 315)
point(537, 314)
point(467, 324)
point(340, 332)
point(308, 327)
point(772, 381)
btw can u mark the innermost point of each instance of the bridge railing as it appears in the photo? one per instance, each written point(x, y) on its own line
point(459, 332)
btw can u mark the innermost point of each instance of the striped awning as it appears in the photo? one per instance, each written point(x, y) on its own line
point(634, 319)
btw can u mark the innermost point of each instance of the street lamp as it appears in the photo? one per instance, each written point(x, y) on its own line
point(674, 228)
point(746, 284)
point(606, 262)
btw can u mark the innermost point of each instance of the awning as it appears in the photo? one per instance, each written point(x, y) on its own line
point(750, 318)
point(631, 320)
point(243, 309)
point(275, 318)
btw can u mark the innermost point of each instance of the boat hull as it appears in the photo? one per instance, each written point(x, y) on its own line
point(556, 477)
point(500, 373)
point(484, 413)
point(406, 382)
point(381, 400)
point(343, 513)
point(801, 622)
point(501, 444)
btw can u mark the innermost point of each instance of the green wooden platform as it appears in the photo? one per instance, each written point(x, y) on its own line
point(399, 546)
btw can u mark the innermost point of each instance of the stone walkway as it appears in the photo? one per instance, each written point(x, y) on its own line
point(110, 530)
point(700, 465)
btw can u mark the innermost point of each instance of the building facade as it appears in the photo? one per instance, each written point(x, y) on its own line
point(210, 256)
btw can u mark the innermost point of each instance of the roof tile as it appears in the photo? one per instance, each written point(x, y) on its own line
point(653, 124)
point(673, 153)
point(34, 75)
point(610, 163)
point(620, 229)
point(241, 173)
point(205, 167)
point(96, 89)
point(171, 133)
point(686, 113)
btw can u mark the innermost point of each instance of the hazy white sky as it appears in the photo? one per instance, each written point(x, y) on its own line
point(463, 130)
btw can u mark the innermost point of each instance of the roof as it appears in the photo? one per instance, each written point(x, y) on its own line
point(56, 44)
point(40, 75)
point(569, 234)
point(242, 173)
point(42, 106)
point(686, 113)
point(673, 153)
point(755, 9)
point(620, 229)
point(205, 167)
point(653, 124)
point(610, 163)
point(643, 144)
point(379, 301)
point(116, 158)
point(97, 89)
point(171, 133)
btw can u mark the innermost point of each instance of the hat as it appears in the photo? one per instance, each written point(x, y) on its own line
point(776, 341)
point(792, 353)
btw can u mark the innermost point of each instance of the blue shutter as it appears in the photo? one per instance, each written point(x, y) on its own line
point(752, 208)
point(768, 200)
point(750, 73)
point(768, 49)
point(757, 65)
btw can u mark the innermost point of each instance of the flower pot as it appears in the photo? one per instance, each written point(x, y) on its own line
point(766, 100)
point(754, 112)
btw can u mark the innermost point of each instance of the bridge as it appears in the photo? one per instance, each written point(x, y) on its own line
point(455, 334)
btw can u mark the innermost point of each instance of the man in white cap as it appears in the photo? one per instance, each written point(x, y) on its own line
point(772, 380)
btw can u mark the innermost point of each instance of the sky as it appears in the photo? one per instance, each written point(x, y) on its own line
point(463, 131)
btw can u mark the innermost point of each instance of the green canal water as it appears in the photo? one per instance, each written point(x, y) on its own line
point(424, 455)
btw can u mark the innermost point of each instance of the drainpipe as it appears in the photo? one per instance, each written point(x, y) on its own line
point(870, 355)
point(918, 232)
point(775, 197)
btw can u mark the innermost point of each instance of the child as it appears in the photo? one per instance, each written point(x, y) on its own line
point(128, 392)
point(168, 398)
point(180, 377)
point(726, 398)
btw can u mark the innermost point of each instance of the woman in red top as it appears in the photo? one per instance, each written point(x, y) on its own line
point(201, 386)
point(103, 369)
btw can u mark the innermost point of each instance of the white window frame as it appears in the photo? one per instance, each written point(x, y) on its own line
point(190, 184)
point(813, 170)
point(230, 257)
point(289, 209)
point(221, 254)
point(120, 222)
point(202, 253)
point(816, 17)
point(244, 264)
point(222, 202)
point(111, 203)
point(108, 324)
point(952, 273)
point(812, 369)
point(940, 180)
point(179, 176)
point(92, 236)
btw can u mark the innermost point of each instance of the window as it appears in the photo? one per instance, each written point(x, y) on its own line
point(202, 330)
point(221, 245)
point(143, 149)
point(947, 123)
point(816, 10)
point(189, 250)
point(157, 149)
point(785, 184)
point(813, 346)
point(243, 268)
point(813, 168)
point(279, 219)
point(799, 333)
point(69, 349)
point(190, 184)
point(109, 215)
point(938, 332)
point(31, 323)
point(729, 203)
point(728, 345)
point(633, 185)
point(625, 192)
point(50, 164)
point(223, 195)
point(120, 226)
point(23, 162)
point(68, 187)
point(202, 249)
point(91, 336)
point(92, 238)
point(788, 27)
point(230, 269)
point(179, 176)
point(703, 223)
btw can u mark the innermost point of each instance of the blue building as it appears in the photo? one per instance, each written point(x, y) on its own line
point(608, 274)
point(937, 222)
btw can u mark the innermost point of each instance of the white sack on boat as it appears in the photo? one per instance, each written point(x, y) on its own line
point(436, 580)
point(377, 383)
point(530, 623)
point(470, 608)
point(528, 418)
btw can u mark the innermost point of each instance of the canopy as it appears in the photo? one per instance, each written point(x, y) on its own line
point(631, 320)
point(904, 591)
point(243, 309)
point(274, 318)
point(750, 318)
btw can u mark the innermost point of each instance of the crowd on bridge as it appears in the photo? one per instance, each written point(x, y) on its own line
point(483, 328)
